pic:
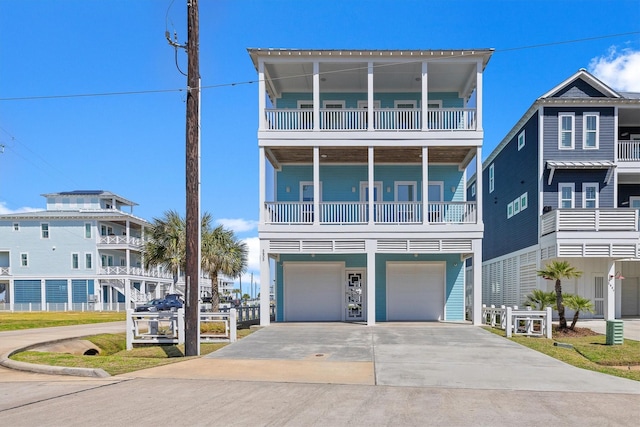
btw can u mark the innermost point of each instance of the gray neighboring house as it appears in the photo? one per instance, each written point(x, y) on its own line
point(82, 252)
point(564, 184)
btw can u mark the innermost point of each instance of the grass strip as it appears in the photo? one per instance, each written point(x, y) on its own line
point(45, 319)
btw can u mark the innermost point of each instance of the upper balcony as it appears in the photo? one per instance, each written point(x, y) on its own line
point(326, 92)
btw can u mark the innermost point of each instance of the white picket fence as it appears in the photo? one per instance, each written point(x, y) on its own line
point(516, 321)
point(167, 327)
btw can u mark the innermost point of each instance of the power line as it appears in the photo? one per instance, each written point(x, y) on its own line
point(247, 82)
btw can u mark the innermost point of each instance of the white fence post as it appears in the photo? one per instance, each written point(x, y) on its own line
point(129, 329)
point(547, 324)
point(233, 325)
point(509, 323)
point(180, 314)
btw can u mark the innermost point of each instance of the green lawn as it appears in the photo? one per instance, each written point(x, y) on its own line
point(588, 352)
point(114, 359)
point(45, 319)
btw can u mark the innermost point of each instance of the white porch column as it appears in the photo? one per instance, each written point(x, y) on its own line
point(262, 96)
point(610, 301)
point(371, 182)
point(316, 185)
point(127, 229)
point(43, 295)
point(477, 283)
point(479, 95)
point(425, 185)
point(479, 185)
point(263, 185)
point(127, 294)
point(265, 280)
point(370, 102)
point(69, 293)
point(425, 97)
point(316, 95)
point(12, 294)
point(371, 281)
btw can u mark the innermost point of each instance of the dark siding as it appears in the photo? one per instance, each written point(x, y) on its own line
point(579, 89)
point(607, 131)
point(516, 172)
point(625, 191)
point(578, 177)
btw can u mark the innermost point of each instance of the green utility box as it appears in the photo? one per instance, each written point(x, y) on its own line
point(615, 332)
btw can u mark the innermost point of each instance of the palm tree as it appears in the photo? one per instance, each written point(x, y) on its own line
point(578, 304)
point(222, 253)
point(557, 271)
point(165, 244)
point(541, 299)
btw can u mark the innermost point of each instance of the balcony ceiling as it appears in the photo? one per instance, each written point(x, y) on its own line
point(291, 70)
point(338, 155)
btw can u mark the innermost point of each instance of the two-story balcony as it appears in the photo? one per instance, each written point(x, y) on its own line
point(333, 213)
point(134, 271)
point(608, 233)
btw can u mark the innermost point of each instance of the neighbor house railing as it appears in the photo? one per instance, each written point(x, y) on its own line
point(516, 321)
point(357, 119)
point(629, 151)
point(134, 271)
point(613, 219)
point(120, 240)
point(5, 271)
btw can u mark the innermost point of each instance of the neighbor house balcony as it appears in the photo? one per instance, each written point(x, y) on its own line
point(384, 213)
point(605, 232)
point(5, 271)
point(120, 241)
point(629, 151)
point(357, 119)
point(134, 271)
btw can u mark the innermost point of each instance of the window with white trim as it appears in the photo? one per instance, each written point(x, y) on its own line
point(473, 189)
point(24, 259)
point(566, 195)
point(491, 178)
point(123, 262)
point(524, 201)
point(591, 130)
point(590, 192)
point(521, 141)
point(44, 230)
point(88, 260)
point(87, 230)
point(510, 210)
point(75, 261)
point(516, 206)
point(16, 226)
point(566, 127)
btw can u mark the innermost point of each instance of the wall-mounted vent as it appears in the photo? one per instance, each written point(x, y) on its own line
point(349, 246)
point(284, 246)
point(317, 245)
point(392, 245)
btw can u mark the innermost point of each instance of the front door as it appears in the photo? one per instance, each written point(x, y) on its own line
point(354, 295)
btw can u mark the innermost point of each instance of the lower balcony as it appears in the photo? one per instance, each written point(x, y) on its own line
point(134, 271)
point(612, 219)
point(335, 213)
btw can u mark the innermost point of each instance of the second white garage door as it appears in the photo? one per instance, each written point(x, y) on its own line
point(313, 292)
point(631, 297)
point(415, 291)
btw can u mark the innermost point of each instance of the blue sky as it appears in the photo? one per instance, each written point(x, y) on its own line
point(133, 145)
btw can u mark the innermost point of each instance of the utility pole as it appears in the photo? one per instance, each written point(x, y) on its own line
point(191, 326)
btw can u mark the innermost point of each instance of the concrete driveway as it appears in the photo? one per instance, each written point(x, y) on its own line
point(391, 354)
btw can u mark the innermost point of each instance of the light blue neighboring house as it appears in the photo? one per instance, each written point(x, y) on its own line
point(82, 252)
point(362, 164)
point(564, 184)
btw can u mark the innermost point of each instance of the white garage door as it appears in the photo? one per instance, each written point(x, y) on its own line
point(631, 297)
point(415, 291)
point(313, 292)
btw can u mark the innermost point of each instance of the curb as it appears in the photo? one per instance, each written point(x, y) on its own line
point(47, 369)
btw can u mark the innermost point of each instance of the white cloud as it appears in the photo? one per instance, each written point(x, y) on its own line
point(4, 210)
point(620, 69)
point(238, 225)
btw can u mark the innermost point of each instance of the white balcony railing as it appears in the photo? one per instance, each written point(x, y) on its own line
point(358, 213)
point(629, 151)
point(134, 271)
point(120, 240)
point(356, 119)
point(618, 219)
point(5, 271)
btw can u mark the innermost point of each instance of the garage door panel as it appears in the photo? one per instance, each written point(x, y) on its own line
point(631, 297)
point(313, 292)
point(415, 291)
